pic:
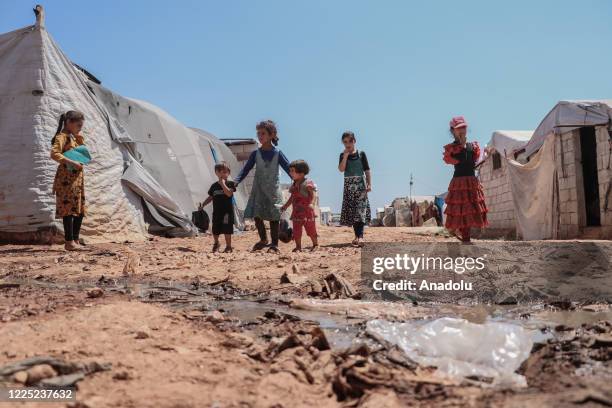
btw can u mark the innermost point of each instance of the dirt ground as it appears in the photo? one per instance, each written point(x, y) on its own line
point(164, 347)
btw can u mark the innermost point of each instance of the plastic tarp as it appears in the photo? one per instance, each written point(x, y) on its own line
point(176, 164)
point(506, 142)
point(535, 193)
point(569, 115)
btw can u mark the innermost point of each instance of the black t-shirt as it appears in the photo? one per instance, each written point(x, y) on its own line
point(355, 156)
point(222, 204)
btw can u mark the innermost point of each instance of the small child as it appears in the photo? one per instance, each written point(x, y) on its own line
point(302, 199)
point(220, 193)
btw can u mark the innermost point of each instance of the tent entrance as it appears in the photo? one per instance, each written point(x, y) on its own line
point(588, 147)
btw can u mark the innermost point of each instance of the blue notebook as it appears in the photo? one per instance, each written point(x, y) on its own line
point(79, 154)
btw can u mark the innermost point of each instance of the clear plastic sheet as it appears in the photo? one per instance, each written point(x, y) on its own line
point(461, 349)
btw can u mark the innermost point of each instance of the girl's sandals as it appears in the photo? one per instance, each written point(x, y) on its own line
point(273, 250)
point(260, 245)
point(215, 247)
point(228, 250)
point(297, 250)
point(360, 242)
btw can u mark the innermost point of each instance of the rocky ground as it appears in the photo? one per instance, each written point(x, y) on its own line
point(166, 323)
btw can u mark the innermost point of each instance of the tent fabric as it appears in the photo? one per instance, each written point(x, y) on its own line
point(506, 142)
point(165, 163)
point(535, 193)
point(37, 84)
point(569, 115)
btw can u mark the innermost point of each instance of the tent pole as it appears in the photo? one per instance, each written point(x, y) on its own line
point(40, 16)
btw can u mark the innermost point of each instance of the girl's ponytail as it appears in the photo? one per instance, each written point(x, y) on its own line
point(60, 127)
point(67, 117)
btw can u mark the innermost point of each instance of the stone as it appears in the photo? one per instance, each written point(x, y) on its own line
point(95, 292)
point(141, 334)
point(20, 377)
point(215, 317)
point(40, 372)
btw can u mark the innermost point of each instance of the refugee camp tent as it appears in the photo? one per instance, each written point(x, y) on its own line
point(564, 190)
point(569, 115)
point(507, 142)
point(561, 185)
point(147, 169)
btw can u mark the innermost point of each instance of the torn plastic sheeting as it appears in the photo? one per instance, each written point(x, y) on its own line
point(461, 349)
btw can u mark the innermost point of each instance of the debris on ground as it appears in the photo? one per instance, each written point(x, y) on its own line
point(460, 349)
point(49, 371)
point(337, 287)
point(95, 292)
point(359, 309)
point(132, 264)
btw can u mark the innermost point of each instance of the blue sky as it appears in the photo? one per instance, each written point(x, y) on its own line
point(394, 72)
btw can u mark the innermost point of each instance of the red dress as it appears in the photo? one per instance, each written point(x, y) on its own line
point(302, 214)
point(465, 201)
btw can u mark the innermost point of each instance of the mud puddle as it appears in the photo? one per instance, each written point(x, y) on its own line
point(342, 326)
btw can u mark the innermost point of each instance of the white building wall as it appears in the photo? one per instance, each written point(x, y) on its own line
point(498, 198)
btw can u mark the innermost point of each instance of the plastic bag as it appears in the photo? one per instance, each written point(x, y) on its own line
point(461, 349)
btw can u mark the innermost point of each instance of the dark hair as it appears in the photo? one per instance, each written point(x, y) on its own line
point(222, 166)
point(300, 166)
point(270, 127)
point(69, 116)
point(349, 134)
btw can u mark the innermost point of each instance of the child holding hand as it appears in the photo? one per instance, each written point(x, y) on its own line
point(220, 193)
point(302, 200)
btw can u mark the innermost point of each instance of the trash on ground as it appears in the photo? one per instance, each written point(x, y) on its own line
point(461, 349)
point(336, 287)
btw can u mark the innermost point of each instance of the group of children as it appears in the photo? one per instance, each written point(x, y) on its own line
point(265, 200)
point(465, 201)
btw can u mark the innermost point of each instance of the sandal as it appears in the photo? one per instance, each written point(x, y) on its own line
point(315, 248)
point(215, 247)
point(260, 245)
point(273, 250)
point(228, 250)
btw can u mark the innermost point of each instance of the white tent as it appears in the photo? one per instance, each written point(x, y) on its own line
point(147, 168)
point(569, 115)
point(506, 142)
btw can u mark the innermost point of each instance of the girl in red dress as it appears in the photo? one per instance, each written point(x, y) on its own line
point(465, 202)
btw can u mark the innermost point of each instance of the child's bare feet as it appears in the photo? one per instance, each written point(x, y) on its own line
point(314, 248)
point(215, 247)
point(228, 250)
point(273, 250)
point(354, 242)
point(297, 249)
point(360, 242)
point(71, 246)
point(260, 245)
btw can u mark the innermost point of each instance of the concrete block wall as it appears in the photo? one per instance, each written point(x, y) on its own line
point(569, 174)
point(498, 197)
point(604, 175)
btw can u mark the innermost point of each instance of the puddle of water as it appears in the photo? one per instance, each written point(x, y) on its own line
point(340, 329)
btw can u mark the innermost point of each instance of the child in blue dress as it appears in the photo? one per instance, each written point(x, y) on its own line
point(265, 200)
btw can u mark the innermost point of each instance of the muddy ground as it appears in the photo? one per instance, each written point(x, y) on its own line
point(173, 325)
